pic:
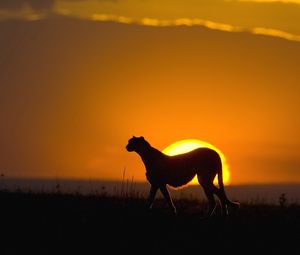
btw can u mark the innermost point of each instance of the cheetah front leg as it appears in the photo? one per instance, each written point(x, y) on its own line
point(164, 190)
point(151, 197)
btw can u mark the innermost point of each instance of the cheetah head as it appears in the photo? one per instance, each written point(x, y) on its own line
point(137, 144)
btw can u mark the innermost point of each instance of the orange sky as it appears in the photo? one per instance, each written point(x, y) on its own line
point(73, 90)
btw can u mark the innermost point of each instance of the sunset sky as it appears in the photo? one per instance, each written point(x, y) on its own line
point(79, 78)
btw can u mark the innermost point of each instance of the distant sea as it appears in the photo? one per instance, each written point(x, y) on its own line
point(268, 193)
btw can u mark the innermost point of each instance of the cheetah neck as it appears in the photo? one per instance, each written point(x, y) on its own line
point(150, 156)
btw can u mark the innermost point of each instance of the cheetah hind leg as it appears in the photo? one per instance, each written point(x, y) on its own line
point(225, 202)
point(211, 200)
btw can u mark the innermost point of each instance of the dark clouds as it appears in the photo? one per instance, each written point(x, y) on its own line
point(38, 5)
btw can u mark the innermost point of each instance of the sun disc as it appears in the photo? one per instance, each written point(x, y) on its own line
point(187, 145)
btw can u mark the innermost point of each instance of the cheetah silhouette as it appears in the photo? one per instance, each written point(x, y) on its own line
point(178, 170)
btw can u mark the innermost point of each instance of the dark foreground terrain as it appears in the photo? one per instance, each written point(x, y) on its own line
point(98, 224)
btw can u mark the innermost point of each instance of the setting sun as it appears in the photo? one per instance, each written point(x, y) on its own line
point(187, 145)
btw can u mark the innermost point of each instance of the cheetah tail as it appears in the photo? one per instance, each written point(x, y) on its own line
point(221, 187)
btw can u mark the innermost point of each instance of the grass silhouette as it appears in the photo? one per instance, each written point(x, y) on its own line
point(57, 223)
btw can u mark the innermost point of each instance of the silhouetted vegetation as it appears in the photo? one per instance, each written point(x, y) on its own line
point(282, 200)
point(43, 223)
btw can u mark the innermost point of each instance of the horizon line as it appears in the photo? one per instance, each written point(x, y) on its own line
point(129, 180)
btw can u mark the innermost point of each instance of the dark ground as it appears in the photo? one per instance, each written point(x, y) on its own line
point(76, 224)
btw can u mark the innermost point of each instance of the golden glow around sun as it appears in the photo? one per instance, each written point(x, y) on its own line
point(187, 145)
